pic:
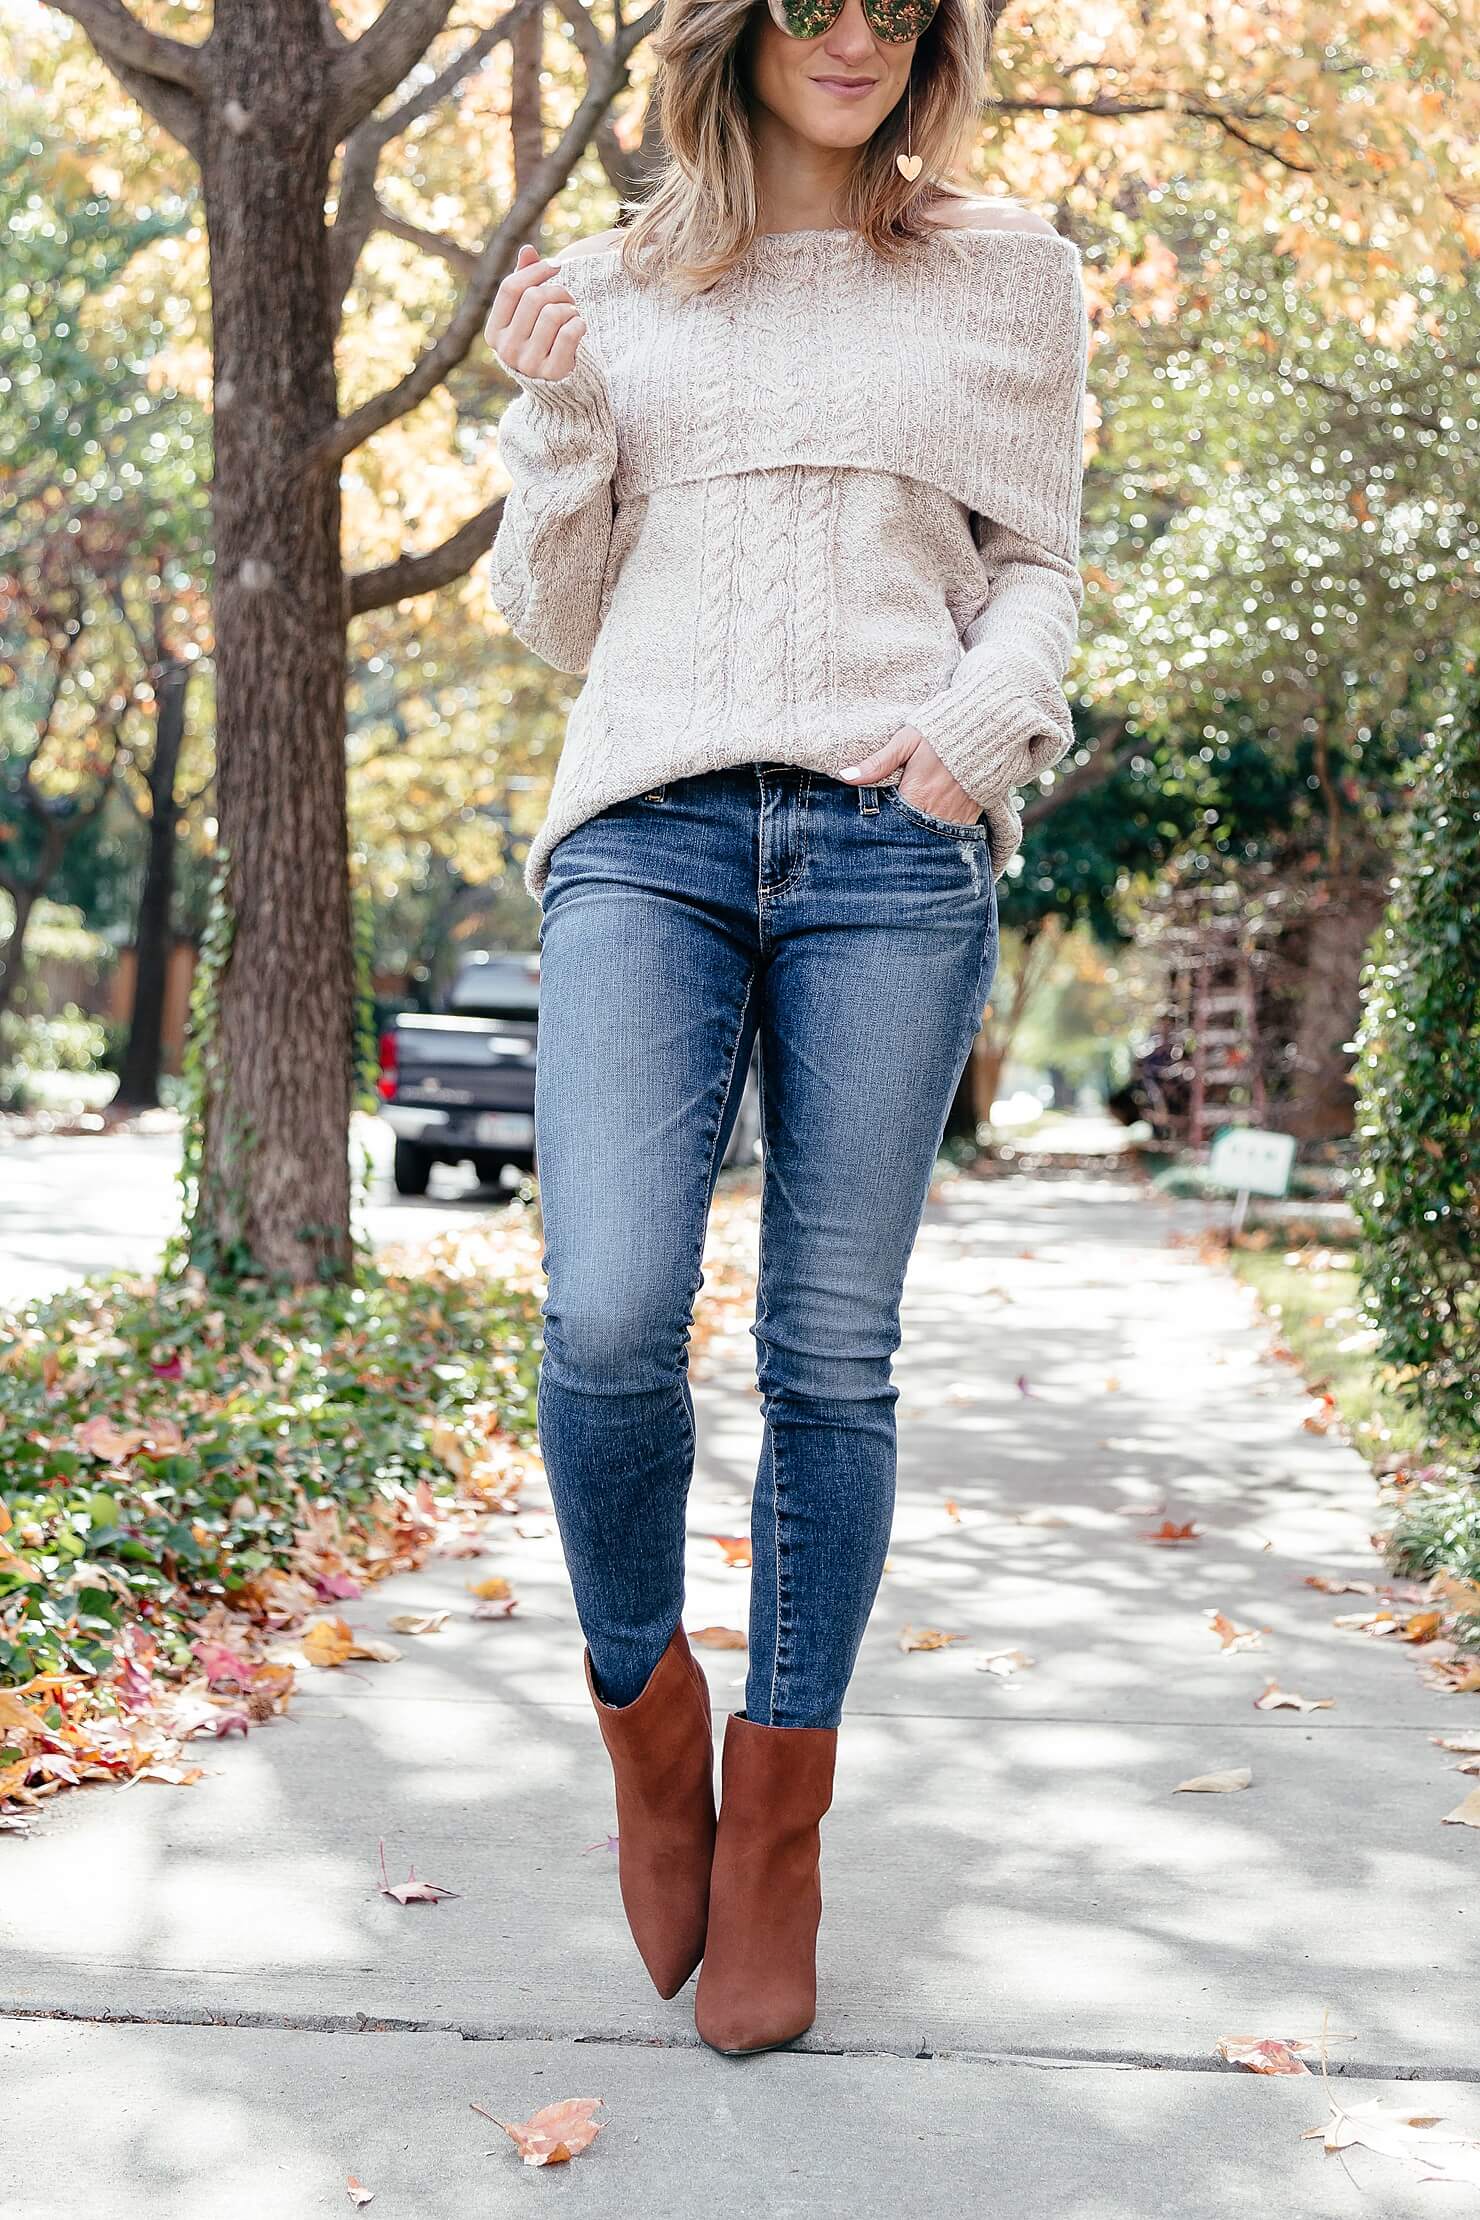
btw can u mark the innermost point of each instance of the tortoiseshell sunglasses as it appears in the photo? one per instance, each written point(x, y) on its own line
point(894, 20)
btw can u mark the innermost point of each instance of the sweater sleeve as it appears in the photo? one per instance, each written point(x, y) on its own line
point(1004, 717)
point(558, 442)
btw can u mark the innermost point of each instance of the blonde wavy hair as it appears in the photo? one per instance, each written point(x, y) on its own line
point(702, 214)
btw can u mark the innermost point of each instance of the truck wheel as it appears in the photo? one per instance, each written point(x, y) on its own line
point(412, 1169)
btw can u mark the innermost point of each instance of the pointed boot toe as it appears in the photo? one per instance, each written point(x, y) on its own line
point(662, 1751)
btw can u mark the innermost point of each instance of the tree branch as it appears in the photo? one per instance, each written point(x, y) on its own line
point(424, 574)
point(382, 58)
point(465, 325)
point(462, 259)
point(168, 79)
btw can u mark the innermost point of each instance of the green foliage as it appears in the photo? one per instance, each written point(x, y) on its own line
point(1417, 1193)
point(69, 1040)
point(230, 1420)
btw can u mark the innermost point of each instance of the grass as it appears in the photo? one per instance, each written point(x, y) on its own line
point(1429, 1486)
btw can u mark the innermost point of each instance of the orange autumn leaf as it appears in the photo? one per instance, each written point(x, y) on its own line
point(330, 1642)
point(953, 1510)
point(1460, 1675)
point(718, 1638)
point(1331, 1585)
point(1168, 1531)
point(495, 1589)
point(926, 1638)
point(1233, 1637)
point(735, 1546)
point(554, 2134)
point(1420, 1626)
point(358, 2195)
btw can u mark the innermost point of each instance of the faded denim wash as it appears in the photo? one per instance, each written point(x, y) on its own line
point(857, 938)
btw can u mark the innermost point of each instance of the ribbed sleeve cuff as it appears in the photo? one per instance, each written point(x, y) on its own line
point(995, 733)
point(580, 393)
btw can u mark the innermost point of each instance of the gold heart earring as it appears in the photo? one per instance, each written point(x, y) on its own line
point(909, 164)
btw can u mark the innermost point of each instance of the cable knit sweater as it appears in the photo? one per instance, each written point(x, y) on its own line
point(780, 519)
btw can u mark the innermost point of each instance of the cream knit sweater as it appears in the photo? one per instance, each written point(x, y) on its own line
point(780, 519)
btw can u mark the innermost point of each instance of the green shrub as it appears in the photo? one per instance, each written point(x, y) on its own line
point(1417, 1191)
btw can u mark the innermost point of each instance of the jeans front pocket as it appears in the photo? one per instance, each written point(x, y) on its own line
point(976, 830)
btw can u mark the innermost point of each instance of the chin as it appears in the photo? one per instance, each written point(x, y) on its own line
point(830, 129)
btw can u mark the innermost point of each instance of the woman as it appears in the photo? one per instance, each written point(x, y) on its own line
point(795, 465)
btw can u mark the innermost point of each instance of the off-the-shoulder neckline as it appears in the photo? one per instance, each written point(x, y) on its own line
point(782, 239)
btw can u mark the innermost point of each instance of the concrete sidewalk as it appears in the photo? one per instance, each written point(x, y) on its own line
point(1031, 1945)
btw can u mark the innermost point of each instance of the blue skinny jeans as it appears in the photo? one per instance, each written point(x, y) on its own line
point(856, 937)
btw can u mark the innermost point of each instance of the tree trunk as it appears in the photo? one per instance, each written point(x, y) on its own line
point(138, 1084)
point(1320, 1096)
point(13, 952)
point(275, 1178)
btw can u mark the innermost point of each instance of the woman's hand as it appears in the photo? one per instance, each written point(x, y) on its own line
point(925, 781)
point(534, 325)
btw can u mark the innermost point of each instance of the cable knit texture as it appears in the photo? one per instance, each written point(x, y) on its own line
point(778, 520)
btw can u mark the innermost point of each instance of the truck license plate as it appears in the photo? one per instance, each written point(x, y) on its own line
point(510, 1129)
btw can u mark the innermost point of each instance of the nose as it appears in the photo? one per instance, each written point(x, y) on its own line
point(850, 40)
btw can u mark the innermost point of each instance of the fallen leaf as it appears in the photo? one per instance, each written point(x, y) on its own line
point(1004, 1663)
point(607, 1842)
point(1460, 1595)
point(1407, 2132)
point(411, 1891)
point(555, 2133)
point(496, 1607)
point(330, 1642)
point(735, 1546)
point(1332, 1584)
point(1238, 1776)
point(492, 1590)
point(1276, 1698)
point(1368, 1622)
point(928, 1638)
point(953, 1511)
point(173, 1776)
point(1421, 1626)
point(1234, 1637)
point(419, 1622)
point(112, 1444)
point(357, 2193)
point(1466, 1814)
point(1261, 2055)
point(1168, 1531)
point(1112, 1384)
point(1469, 1744)
point(1460, 1675)
point(220, 1663)
point(718, 1638)
point(1023, 1387)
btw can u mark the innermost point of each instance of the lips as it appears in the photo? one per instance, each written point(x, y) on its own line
point(846, 84)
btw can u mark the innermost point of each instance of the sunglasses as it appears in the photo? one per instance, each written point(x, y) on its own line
point(894, 20)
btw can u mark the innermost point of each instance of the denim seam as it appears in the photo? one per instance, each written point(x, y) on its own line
point(804, 812)
point(942, 826)
point(776, 1546)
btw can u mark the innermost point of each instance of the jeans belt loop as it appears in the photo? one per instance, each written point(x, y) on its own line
point(868, 801)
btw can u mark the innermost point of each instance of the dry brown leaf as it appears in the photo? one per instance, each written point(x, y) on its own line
point(419, 1622)
point(1234, 1637)
point(1237, 1776)
point(330, 1642)
point(1332, 1584)
point(926, 1638)
point(1401, 2131)
point(718, 1638)
point(1004, 1663)
point(1382, 1621)
point(101, 1438)
point(735, 1546)
point(1460, 1595)
point(555, 2133)
point(491, 1590)
point(358, 2195)
point(1421, 1626)
point(1469, 1744)
point(1261, 2054)
point(1466, 1814)
point(1276, 1698)
point(173, 1776)
point(1459, 1675)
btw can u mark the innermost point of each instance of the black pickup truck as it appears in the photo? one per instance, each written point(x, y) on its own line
point(459, 1087)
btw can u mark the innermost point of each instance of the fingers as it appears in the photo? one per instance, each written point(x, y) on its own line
point(895, 751)
point(534, 312)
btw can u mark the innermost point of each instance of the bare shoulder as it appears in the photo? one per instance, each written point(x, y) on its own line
point(593, 245)
point(989, 215)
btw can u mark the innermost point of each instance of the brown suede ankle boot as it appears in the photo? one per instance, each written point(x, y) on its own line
point(662, 1751)
point(758, 1984)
